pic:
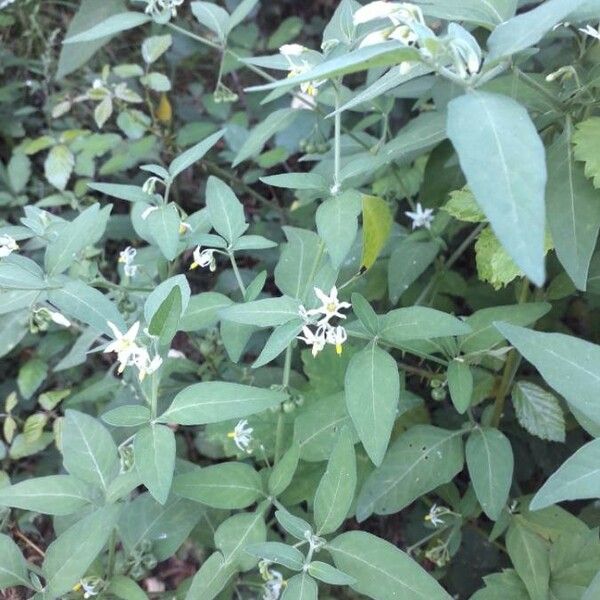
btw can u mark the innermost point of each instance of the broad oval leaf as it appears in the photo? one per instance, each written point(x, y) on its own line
point(490, 461)
point(538, 411)
point(578, 478)
point(225, 211)
point(212, 577)
point(268, 312)
point(382, 571)
point(110, 26)
point(230, 485)
point(372, 390)
point(215, 401)
point(503, 159)
point(301, 587)
point(420, 460)
point(13, 567)
point(193, 154)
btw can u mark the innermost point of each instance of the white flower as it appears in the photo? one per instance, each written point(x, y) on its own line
point(58, 318)
point(317, 339)
point(150, 184)
point(143, 363)
point(124, 344)
point(330, 306)
point(149, 209)
point(375, 37)
point(420, 217)
point(175, 353)
point(242, 435)
point(273, 579)
point(589, 30)
point(434, 514)
point(184, 227)
point(336, 336)
point(404, 34)
point(380, 9)
point(204, 258)
point(7, 245)
point(126, 257)
point(292, 49)
point(157, 6)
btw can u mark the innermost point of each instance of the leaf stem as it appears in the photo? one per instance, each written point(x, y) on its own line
point(236, 272)
point(509, 370)
point(337, 141)
point(287, 368)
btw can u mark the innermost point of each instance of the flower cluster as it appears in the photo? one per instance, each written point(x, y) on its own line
point(274, 582)
point(325, 332)
point(129, 353)
point(297, 57)
point(159, 6)
point(7, 245)
point(589, 30)
point(126, 257)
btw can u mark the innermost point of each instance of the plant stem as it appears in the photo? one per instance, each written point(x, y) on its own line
point(194, 36)
point(236, 272)
point(337, 141)
point(509, 370)
point(112, 547)
point(424, 540)
point(287, 368)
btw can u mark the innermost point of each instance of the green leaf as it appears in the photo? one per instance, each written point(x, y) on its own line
point(407, 262)
point(155, 46)
point(131, 193)
point(241, 11)
point(527, 29)
point(130, 415)
point(301, 258)
point(83, 231)
point(18, 171)
point(215, 401)
point(488, 13)
point(529, 555)
point(31, 375)
point(316, 428)
point(88, 13)
point(212, 577)
point(126, 588)
point(328, 574)
point(295, 526)
point(538, 411)
point(194, 154)
point(50, 495)
point(21, 273)
point(165, 321)
point(460, 384)
point(154, 450)
point(485, 335)
point(570, 365)
point(279, 553)
point(335, 493)
point(58, 166)
point(161, 292)
point(379, 55)
point(463, 206)
point(268, 312)
point(235, 533)
point(586, 142)
point(225, 211)
point(80, 301)
point(70, 555)
point(337, 224)
point(418, 323)
point(297, 181)
point(573, 210)
point(283, 472)
point(280, 339)
point(203, 311)
point(420, 460)
point(277, 121)
point(301, 587)
point(89, 451)
point(229, 485)
point(212, 16)
point(163, 225)
point(13, 567)
point(365, 313)
point(372, 391)
point(114, 24)
point(577, 478)
point(490, 462)
point(382, 571)
point(499, 586)
point(166, 526)
point(377, 226)
point(506, 170)
point(593, 590)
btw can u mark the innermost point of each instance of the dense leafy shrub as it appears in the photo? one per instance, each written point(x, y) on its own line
point(287, 321)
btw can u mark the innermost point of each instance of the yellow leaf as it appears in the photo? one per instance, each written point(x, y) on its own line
point(377, 225)
point(164, 112)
